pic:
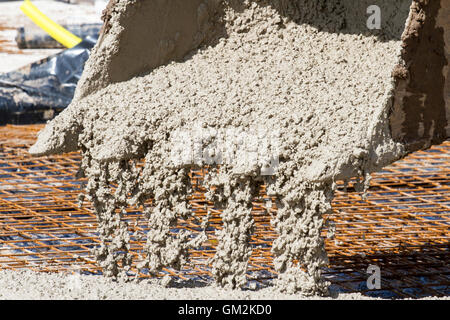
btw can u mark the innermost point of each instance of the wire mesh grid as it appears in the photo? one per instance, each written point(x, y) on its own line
point(402, 227)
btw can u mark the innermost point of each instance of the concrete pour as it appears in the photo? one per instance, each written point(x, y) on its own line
point(309, 71)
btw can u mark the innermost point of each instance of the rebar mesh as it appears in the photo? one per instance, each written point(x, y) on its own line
point(402, 226)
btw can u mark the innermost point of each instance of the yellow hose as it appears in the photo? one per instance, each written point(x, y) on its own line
point(57, 32)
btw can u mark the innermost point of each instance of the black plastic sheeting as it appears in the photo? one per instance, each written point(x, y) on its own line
point(39, 91)
point(33, 37)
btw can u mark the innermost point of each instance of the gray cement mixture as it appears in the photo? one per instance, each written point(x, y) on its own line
point(31, 285)
point(305, 69)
